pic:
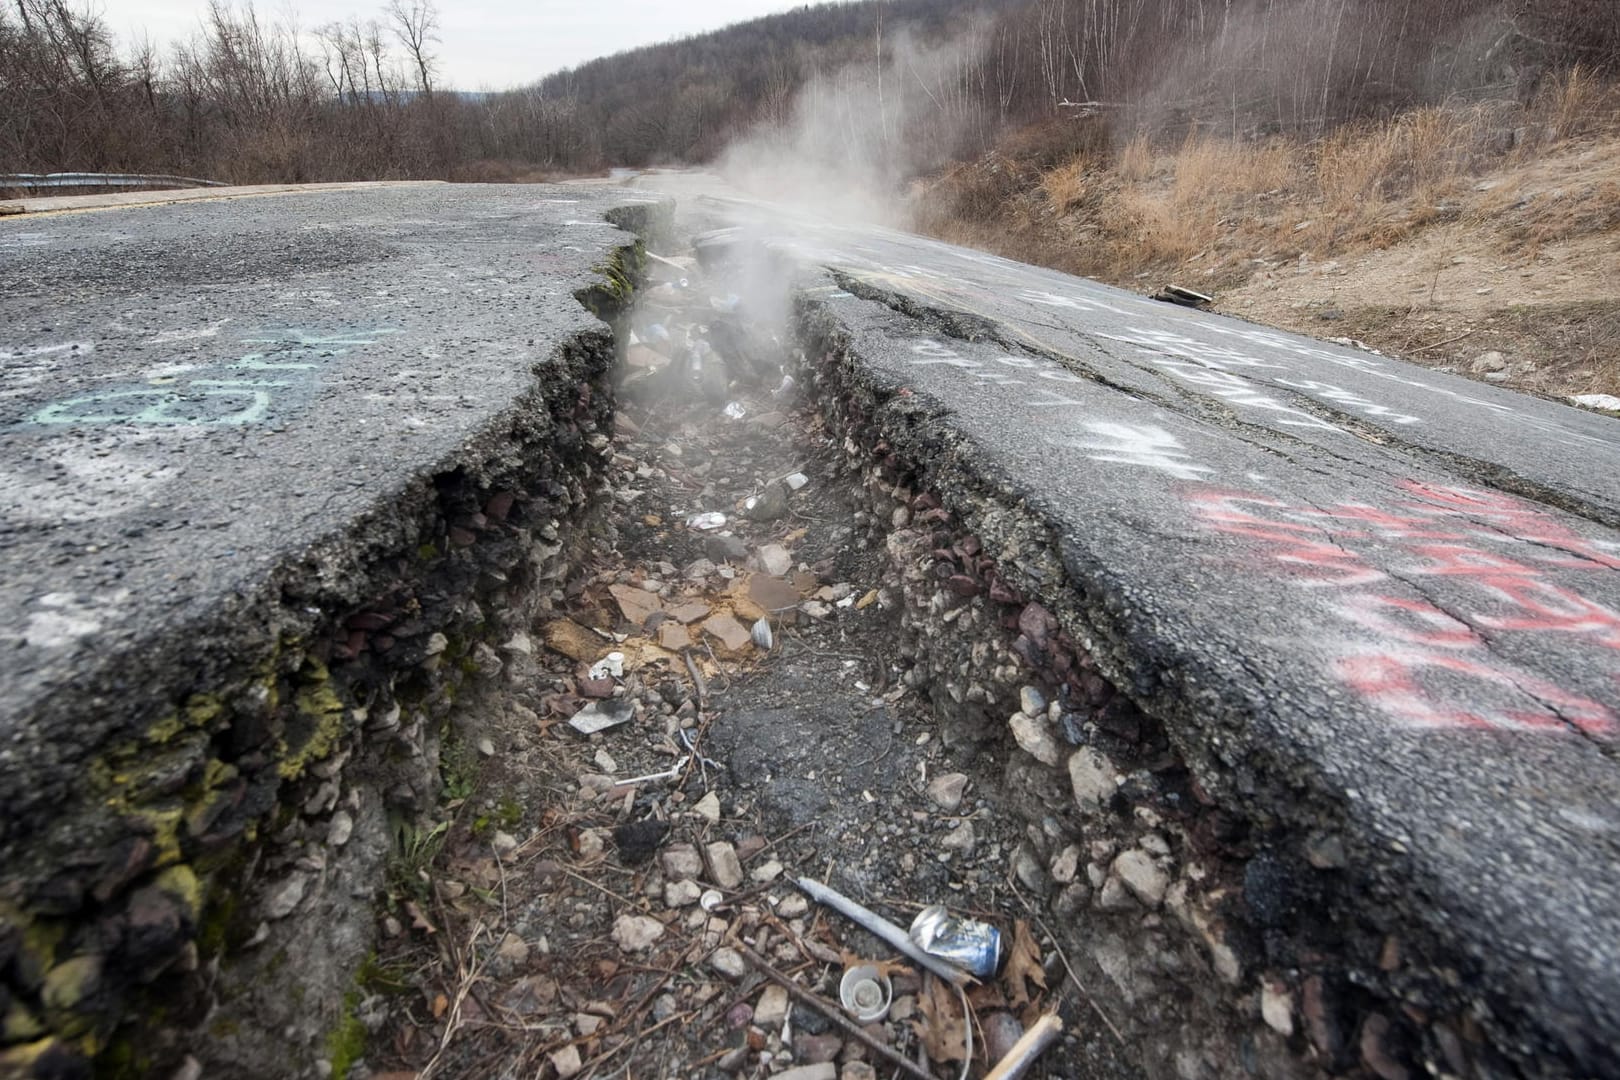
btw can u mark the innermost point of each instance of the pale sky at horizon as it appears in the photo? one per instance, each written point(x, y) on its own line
point(484, 44)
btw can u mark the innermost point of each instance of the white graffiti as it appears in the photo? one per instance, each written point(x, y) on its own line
point(67, 481)
point(172, 337)
point(64, 618)
point(995, 369)
point(1350, 400)
point(1140, 445)
point(1073, 303)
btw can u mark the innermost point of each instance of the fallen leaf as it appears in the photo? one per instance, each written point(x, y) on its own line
point(940, 1024)
point(419, 921)
point(986, 997)
point(440, 1004)
point(1023, 966)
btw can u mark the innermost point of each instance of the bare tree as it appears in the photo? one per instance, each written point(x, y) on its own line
point(415, 24)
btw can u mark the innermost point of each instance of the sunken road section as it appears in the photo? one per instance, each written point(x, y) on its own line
point(1326, 784)
point(280, 478)
point(1299, 661)
point(1320, 776)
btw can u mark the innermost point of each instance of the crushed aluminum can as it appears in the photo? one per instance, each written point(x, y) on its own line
point(735, 410)
point(707, 522)
point(973, 946)
point(866, 993)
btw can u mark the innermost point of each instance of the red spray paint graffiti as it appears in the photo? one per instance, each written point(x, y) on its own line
point(1431, 663)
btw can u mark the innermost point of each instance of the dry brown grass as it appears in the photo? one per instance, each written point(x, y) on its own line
point(1518, 189)
point(1230, 205)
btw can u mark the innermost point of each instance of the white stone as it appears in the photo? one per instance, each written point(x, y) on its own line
point(286, 897)
point(341, 828)
point(824, 1071)
point(1035, 739)
point(566, 1061)
point(1066, 867)
point(767, 872)
point(775, 559)
point(772, 1008)
point(1598, 401)
point(708, 808)
point(503, 843)
point(947, 789)
point(1142, 876)
point(1114, 896)
point(681, 861)
point(636, 933)
point(679, 894)
point(1093, 777)
point(1277, 1007)
point(792, 906)
point(729, 962)
point(728, 873)
point(1031, 701)
point(960, 839)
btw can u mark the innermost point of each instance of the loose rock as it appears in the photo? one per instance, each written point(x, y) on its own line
point(1142, 876)
point(771, 1008)
point(636, 933)
point(729, 963)
point(947, 790)
point(728, 872)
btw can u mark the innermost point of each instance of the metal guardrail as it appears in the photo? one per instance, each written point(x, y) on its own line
point(44, 181)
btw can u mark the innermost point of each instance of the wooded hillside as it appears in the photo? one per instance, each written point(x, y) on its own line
point(255, 99)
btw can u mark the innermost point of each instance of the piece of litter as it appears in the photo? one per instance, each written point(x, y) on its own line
point(610, 666)
point(796, 481)
point(762, 634)
point(1177, 294)
point(735, 410)
point(707, 522)
point(601, 715)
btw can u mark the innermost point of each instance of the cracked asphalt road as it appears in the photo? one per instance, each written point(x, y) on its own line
point(200, 401)
point(1374, 598)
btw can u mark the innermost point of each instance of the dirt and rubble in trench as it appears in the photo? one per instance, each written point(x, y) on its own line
point(568, 917)
point(839, 682)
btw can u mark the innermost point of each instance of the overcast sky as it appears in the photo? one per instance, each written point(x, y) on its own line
point(484, 43)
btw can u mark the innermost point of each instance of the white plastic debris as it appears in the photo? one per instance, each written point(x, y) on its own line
point(796, 481)
point(611, 665)
point(601, 715)
point(1598, 401)
point(735, 410)
point(707, 522)
point(762, 634)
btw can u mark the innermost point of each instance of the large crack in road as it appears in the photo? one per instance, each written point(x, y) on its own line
point(841, 588)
